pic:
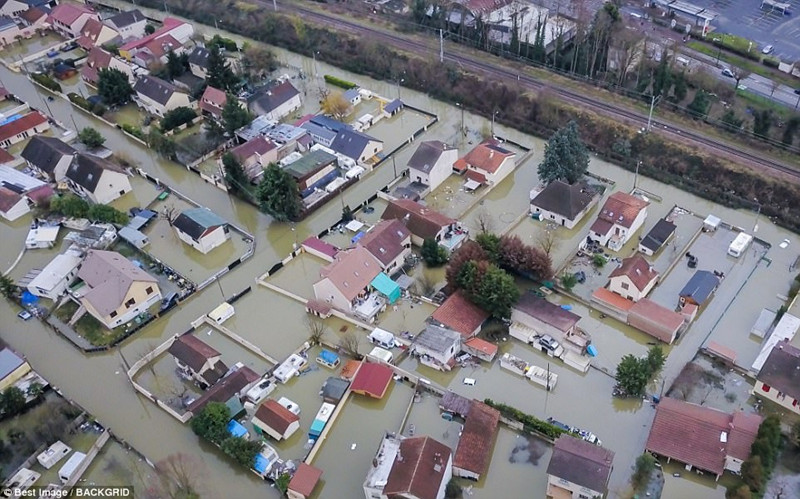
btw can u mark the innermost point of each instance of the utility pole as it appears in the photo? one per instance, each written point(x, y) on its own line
point(758, 213)
point(441, 46)
point(653, 101)
point(394, 166)
point(494, 113)
point(275, 4)
point(636, 175)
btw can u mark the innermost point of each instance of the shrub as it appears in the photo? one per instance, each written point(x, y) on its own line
point(177, 117)
point(338, 82)
point(599, 260)
point(642, 469)
point(529, 423)
point(224, 43)
point(46, 81)
point(91, 137)
point(568, 280)
point(79, 101)
point(99, 109)
point(771, 62)
point(135, 131)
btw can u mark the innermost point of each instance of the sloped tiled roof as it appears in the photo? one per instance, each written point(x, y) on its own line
point(638, 270)
point(474, 449)
point(421, 221)
point(154, 88)
point(194, 222)
point(267, 100)
point(460, 314)
point(259, 145)
point(744, 428)
point(8, 198)
point(547, 312)
point(700, 286)
point(226, 388)
point(781, 370)
point(86, 170)
point(621, 209)
point(564, 199)
point(192, 351)
point(109, 275)
point(213, 100)
point(68, 13)
point(487, 156)
point(581, 463)
point(655, 320)
point(658, 235)
point(22, 124)
point(276, 416)
point(352, 271)
point(385, 240)
point(372, 379)
point(420, 471)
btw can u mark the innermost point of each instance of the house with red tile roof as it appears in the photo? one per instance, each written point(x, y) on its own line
point(633, 279)
point(157, 51)
point(421, 221)
point(372, 380)
point(229, 390)
point(94, 34)
point(198, 360)
point(481, 349)
point(274, 420)
point(255, 155)
point(390, 242)
point(68, 19)
point(619, 219)
point(659, 322)
point(99, 59)
point(474, 451)
point(303, 482)
point(347, 279)
point(34, 17)
point(487, 164)
point(21, 128)
point(460, 315)
point(412, 468)
point(701, 437)
point(320, 248)
point(779, 378)
point(177, 29)
point(212, 102)
point(578, 469)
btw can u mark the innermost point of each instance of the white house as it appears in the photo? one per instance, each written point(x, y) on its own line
point(432, 163)
point(437, 347)
point(97, 179)
point(54, 279)
point(562, 203)
point(156, 96)
point(274, 420)
point(578, 469)
point(68, 19)
point(48, 156)
point(779, 378)
point(355, 145)
point(12, 204)
point(633, 279)
point(198, 61)
point(201, 229)
point(198, 360)
point(619, 219)
point(409, 467)
point(129, 24)
point(486, 164)
point(20, 129)
point(276, 101)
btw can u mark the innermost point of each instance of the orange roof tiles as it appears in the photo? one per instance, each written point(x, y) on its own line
point(460, 314)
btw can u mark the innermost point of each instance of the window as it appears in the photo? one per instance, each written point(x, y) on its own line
point(149, 290)
point(129, 303)
point(765, 388)
point(113, 314)
point(625, 285)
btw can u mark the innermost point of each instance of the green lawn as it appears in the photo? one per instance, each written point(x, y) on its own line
point(66, 311)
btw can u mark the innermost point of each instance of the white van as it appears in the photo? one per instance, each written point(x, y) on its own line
point(382, 338)
point(71, 466)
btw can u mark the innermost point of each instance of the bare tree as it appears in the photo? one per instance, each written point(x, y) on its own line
point(178, 476)
point(349, 343)
point(547, 241)
point(425, 285)
point(169, 213)
point(316, 329)
point(484, 220)
point(739, 75)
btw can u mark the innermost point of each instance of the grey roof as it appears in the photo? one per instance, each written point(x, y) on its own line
point(328, 122)
point(782, 369)
point(427, 154)
point(196, 221)
point(437, 339)
point(45, 152)
point(581, 462)
point(546, 312)
point(310, 163)
point(6, 23)
point(393, 106)
point(351, 143)
point(154, 88)
point(351, 94)
point(109, 275)
point(9, 362)
point(700, 286)
point(124, 19)
point(86, 170)
point(455, 403)
point(133, 236)
point(658, 235)
point(564, 199)
point(318, 130)
point(199, 57)
point(267, 100)
point(334, 388)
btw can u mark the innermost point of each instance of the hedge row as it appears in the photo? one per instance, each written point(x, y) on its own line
point(135, 131)
point(347, 85)
point(81, 102)
point(46, 81)
point(529, 423)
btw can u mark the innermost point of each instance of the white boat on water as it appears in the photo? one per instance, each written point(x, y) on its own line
point(537, 374)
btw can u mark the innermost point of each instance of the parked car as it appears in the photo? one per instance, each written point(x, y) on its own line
point(24, 315)
point(768, 49)
point(548, 342)
point(727, 72)
point(797, 91)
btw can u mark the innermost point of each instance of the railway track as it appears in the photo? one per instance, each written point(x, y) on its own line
point(662, 127)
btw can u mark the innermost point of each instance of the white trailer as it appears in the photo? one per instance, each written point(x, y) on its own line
point(382, 338)
point(740, 244)
point(53, 454)
point(222, 313)
point(71, 466)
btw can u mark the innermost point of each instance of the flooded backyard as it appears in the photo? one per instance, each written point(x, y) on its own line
point(275, 324)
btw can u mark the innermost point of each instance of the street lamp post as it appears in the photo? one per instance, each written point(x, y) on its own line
point(401, 80)
point(494, 113)
point(458, 105)
point(758, 213)
point(314, 56)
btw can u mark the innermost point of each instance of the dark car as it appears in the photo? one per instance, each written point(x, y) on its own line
point(797, 91)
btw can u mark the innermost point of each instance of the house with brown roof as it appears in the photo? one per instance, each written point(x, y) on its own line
point(779, 378)
point(425, 223)
point(633, 279)
point(562, 203)
point(619, 219)
point(101, 59)
point(372, 380)
point(230, 390)
point(68, 19)
point(303, 482)
point(20, 129)
point(578, 469)
point(487, 164)
point(212, 102)
point(347, 279)
point(659, 322)
point(115, 290)
point(474, 451)
point(34, 17)
point(274, 420)
point(481, 349)
point(432, 163)
point(701, 437)
point(95, 33)
point(545, 318)
point(460, 315)
point(198, 360)
point(411, 468)
point(390, 242)
point(12, 204)
point(255, 155)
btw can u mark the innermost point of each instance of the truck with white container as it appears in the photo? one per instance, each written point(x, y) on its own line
point(71, 467)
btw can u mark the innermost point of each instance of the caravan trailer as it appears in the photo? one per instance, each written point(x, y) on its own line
point(382, 338)
point(740, 244)
point(71, 466)
point(53, 454)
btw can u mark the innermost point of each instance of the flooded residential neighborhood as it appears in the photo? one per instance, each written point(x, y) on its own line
point(363, 345)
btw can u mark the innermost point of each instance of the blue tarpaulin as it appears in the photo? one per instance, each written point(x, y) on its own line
point(29, 298)
point(236, 429)
point(357, 237)
point(387, 287)
point(260, 464)
point(328, 357)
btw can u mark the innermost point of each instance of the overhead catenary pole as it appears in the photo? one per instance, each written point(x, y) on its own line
point(441, 46)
